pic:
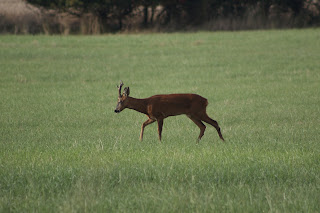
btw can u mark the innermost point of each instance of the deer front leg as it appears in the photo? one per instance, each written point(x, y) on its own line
point(146, 123)
point(160, 124)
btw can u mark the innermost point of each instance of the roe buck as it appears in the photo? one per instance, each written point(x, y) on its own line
point(158, 107)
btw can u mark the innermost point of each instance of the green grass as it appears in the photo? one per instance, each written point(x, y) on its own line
point(63, 149)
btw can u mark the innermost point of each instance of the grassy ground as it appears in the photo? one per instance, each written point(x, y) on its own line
point(63, 149)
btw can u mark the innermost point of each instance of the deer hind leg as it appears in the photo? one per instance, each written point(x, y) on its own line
point(200, 125)
point(146, 123)
point(214, 123)
point(160, 124)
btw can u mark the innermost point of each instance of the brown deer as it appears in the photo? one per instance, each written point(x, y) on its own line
point(159, 107)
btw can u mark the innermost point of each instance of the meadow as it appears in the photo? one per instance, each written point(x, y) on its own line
point(63, 149)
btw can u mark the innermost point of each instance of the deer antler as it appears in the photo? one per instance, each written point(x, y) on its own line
point(119, 88)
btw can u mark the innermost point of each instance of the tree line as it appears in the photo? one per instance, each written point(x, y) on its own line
point(115, 15)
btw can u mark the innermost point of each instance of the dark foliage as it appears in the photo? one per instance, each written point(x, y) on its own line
point(188, 14)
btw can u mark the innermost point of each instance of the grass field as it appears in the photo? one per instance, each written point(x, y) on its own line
point(63, 149)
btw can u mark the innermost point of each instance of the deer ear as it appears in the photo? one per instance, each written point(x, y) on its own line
point(126, 91)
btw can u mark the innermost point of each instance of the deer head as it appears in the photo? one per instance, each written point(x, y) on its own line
point(122, 98)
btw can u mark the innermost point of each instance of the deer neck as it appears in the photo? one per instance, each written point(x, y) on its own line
point(136, 104)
